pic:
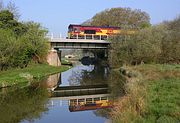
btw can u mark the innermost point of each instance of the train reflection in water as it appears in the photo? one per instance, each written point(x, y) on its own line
point(89, 104)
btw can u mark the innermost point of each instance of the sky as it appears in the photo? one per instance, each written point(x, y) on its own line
point(56, 15)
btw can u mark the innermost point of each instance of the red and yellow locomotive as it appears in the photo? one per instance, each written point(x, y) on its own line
point(91, 32)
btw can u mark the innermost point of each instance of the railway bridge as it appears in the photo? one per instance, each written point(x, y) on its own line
point(57, 44)
point(86, 42)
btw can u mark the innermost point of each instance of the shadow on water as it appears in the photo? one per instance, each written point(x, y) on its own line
point(88, 60)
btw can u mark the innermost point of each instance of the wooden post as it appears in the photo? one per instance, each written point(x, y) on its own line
point(51, 36)
point(85, 36)
point(92, 36)
point(60, 36)
point(92, 100)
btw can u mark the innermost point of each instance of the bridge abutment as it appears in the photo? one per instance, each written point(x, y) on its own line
point(54, 57)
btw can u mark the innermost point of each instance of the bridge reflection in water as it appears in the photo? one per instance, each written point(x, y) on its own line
point(81, 98)
point(77, 98)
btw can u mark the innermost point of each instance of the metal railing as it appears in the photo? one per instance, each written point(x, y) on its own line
point(54, 36)
point(87, 100)
point(90, 37)
point(77, 36)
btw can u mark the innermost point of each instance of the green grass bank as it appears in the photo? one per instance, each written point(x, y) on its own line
point(152, 95)
point(31, 73)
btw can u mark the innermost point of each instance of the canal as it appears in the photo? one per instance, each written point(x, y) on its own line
point(48, 101)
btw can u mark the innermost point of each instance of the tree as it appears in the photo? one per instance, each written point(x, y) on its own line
point(13, 9)
point(87, 22)
point(35, 41)
point(8, 22)
point(142, 47)
point(6, 16)
point(10, 7)
point(171, 42)
point(157, 44)
point(121, 17)
point(1, 5)
point(7, 49)
point(20, 42)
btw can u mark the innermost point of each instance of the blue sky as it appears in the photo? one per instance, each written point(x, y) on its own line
point(56, 15)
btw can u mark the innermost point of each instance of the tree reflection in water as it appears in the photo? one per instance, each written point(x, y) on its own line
point(22, 104)
point(116, 84)
point(103, 113)
point(101, 75)
point(97, 74)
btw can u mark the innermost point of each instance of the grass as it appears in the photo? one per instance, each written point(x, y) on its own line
point(163, 100)
point(30, 73)
point(66, 62)
point(151, 96)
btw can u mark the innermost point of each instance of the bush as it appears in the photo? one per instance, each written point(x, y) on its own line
point(20, 42)
point(157, 44)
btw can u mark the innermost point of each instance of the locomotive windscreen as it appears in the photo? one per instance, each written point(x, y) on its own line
point(90, 31)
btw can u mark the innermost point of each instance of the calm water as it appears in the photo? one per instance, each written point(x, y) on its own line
point(33, 104)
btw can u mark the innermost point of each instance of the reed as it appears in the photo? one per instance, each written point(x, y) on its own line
point(141, 102)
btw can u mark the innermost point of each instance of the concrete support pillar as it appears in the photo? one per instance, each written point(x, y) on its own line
point(52, 81)
point(106, 53)
point(54, 58)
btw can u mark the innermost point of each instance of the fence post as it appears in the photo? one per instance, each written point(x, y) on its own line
point(51, 36)
point(60, 36)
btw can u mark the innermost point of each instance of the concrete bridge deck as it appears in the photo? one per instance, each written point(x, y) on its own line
point(78, 43)
point(79, 90)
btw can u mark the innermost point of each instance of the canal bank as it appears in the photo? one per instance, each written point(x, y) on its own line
point(152, 94)
point(34, 103)
point(33, 72)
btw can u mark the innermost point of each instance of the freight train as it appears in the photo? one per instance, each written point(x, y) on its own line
point(91, 32)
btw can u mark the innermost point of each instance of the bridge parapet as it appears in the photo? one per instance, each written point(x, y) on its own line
point(90, 37)
point(76, 36)
point(78, 44)
point(54, 36)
